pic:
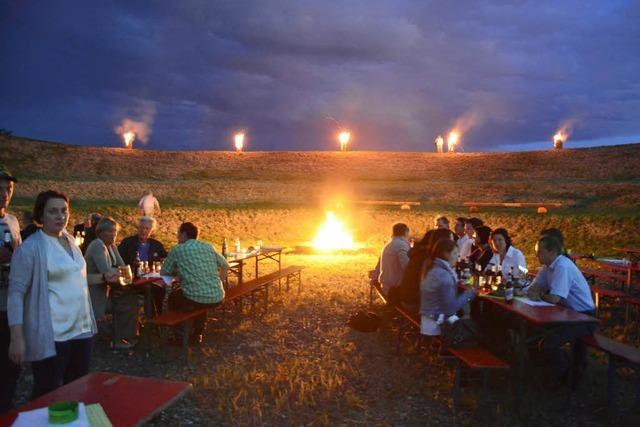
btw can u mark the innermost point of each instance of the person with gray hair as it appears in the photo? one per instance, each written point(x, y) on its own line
point(102, 257)
point(145, 248)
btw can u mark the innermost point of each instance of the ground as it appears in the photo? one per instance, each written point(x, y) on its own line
point(299, 364)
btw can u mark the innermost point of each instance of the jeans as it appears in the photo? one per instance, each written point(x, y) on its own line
point(559, 359)
point(179, 302)
point(9, 371)
point(70, 363)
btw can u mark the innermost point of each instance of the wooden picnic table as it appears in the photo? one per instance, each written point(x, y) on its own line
point(145, 284)
point(629, 250)
point(127, 400)
point(237, 261)
point(533, 324)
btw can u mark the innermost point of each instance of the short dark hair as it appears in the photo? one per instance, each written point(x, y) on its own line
point(399, 229)
point(189, 229)
point(475, 222)
point(504, 233)
point(461, 219)
point(41, 202)
point(552, 244)
point(553, 232)
point(443, 219)
point(443, 247)
point(482, 233)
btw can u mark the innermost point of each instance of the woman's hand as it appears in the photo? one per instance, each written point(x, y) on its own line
point(17, 349)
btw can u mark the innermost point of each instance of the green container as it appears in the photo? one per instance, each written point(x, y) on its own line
point(63, 412)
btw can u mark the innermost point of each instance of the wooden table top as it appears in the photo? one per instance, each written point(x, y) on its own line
point(248, 255)
point(541, 315)
point(126, 400)
point(628, 250)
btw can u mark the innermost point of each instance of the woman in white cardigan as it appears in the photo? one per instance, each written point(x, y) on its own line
point(49, 308)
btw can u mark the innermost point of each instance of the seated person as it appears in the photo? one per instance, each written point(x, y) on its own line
point(408, 291)
point(80, 229)
point(438, 290)
point(149, 250)
point(564, 285)
point(394, 258)
point(90, 233)
point(201, 270)
point(442, 222)
point(505, 254)
point(481, 252)
point(102, 257)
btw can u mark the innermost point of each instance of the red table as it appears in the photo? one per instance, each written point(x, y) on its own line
point(544, 319)
point(127, 400)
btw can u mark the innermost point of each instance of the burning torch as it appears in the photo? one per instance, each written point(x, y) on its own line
point(558, 140)
point(128, 138)
point(452, 141)
point(238, 141)
point(344, 138)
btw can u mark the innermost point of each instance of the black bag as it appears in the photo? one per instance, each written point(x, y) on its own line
point(461, 333)
point(364, 321)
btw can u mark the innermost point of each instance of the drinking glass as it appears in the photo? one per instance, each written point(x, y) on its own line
point(126, 276)
point(157, 266)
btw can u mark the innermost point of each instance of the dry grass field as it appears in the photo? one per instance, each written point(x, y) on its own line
point(299, 364)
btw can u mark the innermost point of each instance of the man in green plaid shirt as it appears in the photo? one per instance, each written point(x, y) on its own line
point(196, 264)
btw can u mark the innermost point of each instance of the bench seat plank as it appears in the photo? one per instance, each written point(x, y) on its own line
point(478, 358)
point(616, 348)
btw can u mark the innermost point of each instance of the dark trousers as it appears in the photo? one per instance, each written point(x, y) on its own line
point(70, 363)
point(9, 371)
point(557, 358)
point(179, 302)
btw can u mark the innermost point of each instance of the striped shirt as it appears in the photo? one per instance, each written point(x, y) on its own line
point(196, 264)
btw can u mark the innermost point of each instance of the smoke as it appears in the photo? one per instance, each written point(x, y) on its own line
point(566, 128)
point(469, 120)
point(142, 127)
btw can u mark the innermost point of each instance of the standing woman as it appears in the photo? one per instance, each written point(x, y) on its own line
point(505, 254)
point(103, 258)
point(49, 309)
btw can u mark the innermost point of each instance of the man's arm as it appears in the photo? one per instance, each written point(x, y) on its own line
point(403, 256)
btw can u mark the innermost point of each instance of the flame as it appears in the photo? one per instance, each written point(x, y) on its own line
point(452, 140)
point(333, 235)
point(439, 143)
point(128, 138)
point(559, 138)
point(344, 138)
point(238, 141)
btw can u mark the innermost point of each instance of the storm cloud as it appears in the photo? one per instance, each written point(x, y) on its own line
point(291, 73)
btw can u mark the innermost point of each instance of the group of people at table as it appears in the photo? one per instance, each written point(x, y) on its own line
point(54, 294)
point(422, 276)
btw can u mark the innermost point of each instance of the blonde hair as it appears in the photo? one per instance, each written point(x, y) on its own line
point(105, 224)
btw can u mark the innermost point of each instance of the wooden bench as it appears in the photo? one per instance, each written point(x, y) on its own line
point(186, 318)
point(620, 355)
point(478, 359)
point(541, 206)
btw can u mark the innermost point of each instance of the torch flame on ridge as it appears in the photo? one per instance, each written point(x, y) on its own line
point(238, 141)
point(344, 138)
point(452, 140)
point(333, 235)
point(128, 138)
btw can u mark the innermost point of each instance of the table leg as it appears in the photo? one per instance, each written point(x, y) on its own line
point(240, 268)
point(148, 301)
point(520, 349)
point(256, 267)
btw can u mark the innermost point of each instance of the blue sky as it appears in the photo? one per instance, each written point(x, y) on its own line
point(291, 73)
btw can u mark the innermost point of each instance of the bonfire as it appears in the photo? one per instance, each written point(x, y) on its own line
point(333, 235)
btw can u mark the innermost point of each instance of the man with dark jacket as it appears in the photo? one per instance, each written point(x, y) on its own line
point(147, 249)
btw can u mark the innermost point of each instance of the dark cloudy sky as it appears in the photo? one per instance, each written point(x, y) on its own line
point(291, 72)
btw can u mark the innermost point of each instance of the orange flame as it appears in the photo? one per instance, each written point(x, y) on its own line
point(128, 138)
point(452, 140)
point(344, 138)
point(333, 235)
point(238, 141)
point(559, 138)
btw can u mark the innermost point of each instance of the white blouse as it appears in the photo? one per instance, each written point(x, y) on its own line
point(68, 291)
point(513, 258)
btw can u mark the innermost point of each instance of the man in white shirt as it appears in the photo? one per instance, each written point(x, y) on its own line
point(394, 258)
point(149, 205)
point(465, 243)
point(9, 372)
point(563, 285)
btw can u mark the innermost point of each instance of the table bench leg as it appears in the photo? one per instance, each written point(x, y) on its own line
point(611, 378)
point(186, 333)
point(456, 386)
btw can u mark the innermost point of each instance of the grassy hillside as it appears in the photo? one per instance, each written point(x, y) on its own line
point(596, 178)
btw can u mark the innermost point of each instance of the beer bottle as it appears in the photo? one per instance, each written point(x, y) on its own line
point(137, 265)
point(224, 248)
